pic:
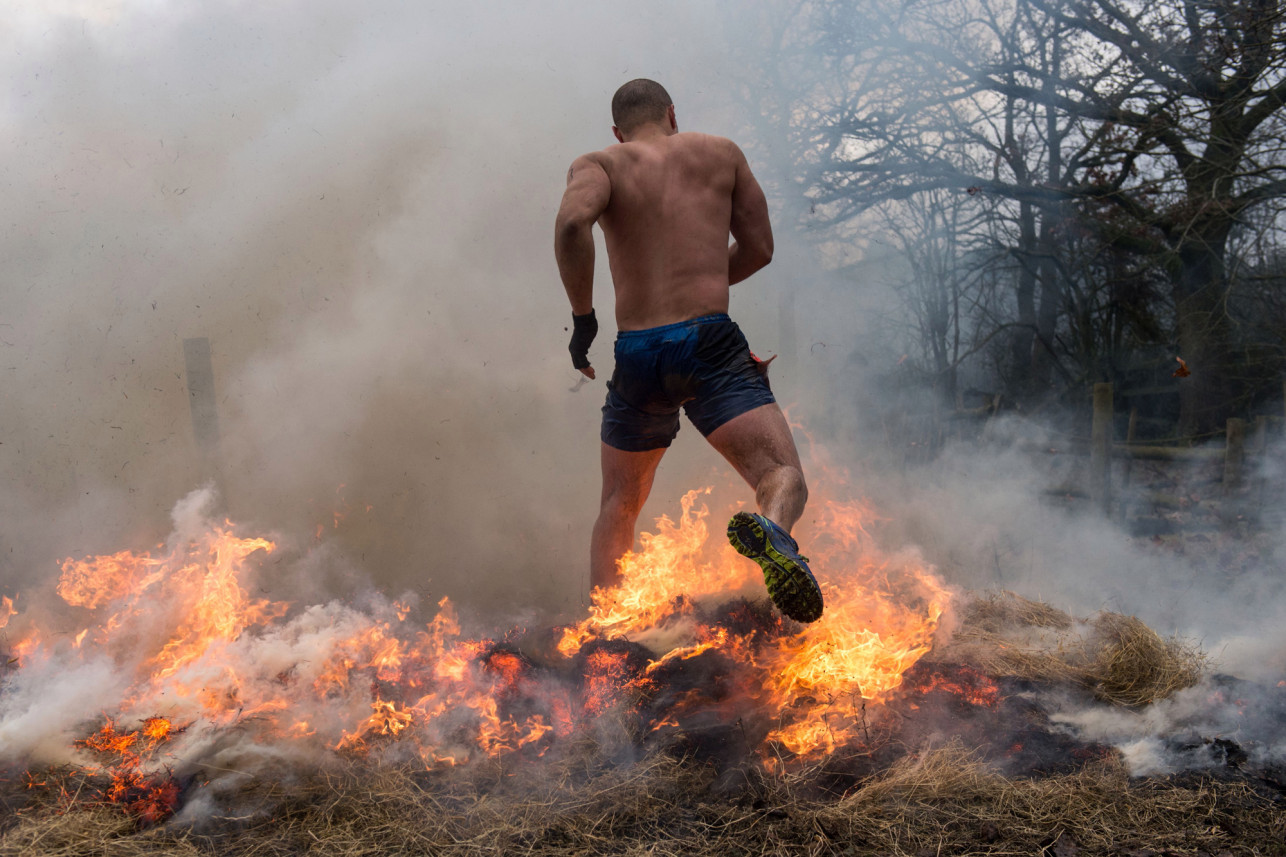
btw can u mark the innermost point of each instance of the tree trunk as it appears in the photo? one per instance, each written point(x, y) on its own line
point(1207, 397)
point(1051, 300)
point(1024, 335)
point(1051, 293)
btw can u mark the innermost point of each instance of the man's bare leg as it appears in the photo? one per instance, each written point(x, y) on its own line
point(759, 445)
point(627, 480)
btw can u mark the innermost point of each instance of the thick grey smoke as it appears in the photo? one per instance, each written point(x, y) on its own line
point(355, 205)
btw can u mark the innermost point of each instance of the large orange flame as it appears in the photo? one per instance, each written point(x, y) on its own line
point(199, 651)
point(659, 582)
point(882, 612)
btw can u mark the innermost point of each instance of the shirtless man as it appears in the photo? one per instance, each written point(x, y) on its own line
point(667, 203)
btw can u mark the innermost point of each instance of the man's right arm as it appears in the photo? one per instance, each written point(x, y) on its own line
point(751, 229)
point(588, 192)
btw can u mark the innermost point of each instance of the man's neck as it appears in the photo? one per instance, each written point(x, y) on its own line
point(649, 133)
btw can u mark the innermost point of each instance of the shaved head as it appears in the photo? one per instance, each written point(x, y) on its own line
point(639, 102)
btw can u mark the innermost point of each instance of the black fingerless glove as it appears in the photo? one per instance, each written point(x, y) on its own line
point(584, 329)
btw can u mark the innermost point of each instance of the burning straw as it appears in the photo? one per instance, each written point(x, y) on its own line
point(165, 664)
point(272, 729)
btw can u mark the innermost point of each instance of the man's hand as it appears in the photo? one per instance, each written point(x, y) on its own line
point(584, 329)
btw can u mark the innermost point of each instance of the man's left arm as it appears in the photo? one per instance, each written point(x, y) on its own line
point(753, 245)
point(586, 197)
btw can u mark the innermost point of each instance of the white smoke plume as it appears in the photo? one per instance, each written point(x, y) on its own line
point(355, 206)
point(354, 203)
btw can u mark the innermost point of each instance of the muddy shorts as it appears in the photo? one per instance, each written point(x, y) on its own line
point(703, 366)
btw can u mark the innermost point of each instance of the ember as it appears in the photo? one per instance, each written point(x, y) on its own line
point(968, 684)
point(150, 797)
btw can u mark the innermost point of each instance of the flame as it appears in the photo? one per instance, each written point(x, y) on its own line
point(658, 582)
point(878, 623)
point(388, 719)
point(610, 681)
point(197, 583)
point(882, 612)
point(150, 797)
point(197, 649)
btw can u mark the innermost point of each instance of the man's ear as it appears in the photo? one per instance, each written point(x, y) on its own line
point(616, 132)
point(669, 114)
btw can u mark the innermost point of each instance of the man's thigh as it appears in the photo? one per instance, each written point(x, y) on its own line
point(756, 442)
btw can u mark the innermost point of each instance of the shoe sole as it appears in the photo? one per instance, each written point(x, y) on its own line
point(790, 584)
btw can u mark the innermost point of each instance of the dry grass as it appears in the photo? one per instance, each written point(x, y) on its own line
point(587, 798)
point(1005, 610)
point(945, 801)
point(1119, 658)
point(941, 801)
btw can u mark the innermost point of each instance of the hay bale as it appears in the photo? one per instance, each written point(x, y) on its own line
point(1118, 658)
point(1135, 666)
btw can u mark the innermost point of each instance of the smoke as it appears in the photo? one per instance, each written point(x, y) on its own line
point(355, 205)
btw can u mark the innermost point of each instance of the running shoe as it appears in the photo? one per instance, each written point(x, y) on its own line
point(791, 586)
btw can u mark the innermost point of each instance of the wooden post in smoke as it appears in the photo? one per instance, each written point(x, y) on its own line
point(199, 367)
point(1101, 447)
point(1259, 445)
point(1130, 431)
point(1234, 457)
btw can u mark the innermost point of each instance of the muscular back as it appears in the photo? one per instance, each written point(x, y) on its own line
point(672, 202)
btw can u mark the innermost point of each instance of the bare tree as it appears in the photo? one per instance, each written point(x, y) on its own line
point(1168, 115)
point(933, 233)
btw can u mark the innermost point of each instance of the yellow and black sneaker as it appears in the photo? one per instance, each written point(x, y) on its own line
point(791, 586)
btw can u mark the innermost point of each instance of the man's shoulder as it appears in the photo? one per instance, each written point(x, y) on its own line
point(600, 157)
point(709, 141)
point(710, 150)
point(694, 139)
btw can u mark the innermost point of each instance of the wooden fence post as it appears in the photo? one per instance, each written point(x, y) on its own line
point(1259, 435)
point(1234, 457)
point(1129, 440)
point(1101, 447)
point(1259, 443)
point(200, 377)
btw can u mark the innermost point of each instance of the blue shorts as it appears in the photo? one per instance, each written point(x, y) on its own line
point(703, 365)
